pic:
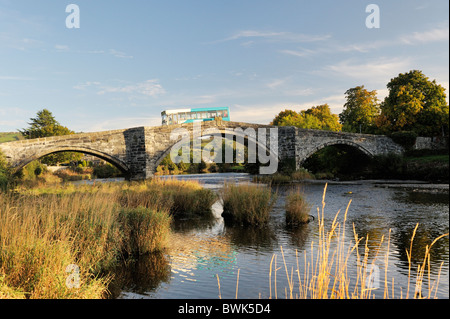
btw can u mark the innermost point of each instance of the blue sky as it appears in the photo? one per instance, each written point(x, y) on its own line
point(129, 60)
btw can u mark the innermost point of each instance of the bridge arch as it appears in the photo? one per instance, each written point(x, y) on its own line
point(104, 156)
point(224, 134)
point(321, 146)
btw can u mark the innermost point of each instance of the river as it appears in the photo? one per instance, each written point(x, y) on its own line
point(206, 254)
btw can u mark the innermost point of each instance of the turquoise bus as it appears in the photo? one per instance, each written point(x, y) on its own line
point(180, 116)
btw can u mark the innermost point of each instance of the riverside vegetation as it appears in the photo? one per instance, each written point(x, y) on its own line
point(48, 227)
point(336, 268)
point(43, 230)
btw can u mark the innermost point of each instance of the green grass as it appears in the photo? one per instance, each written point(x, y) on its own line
point(10, 137)
point(428, 159)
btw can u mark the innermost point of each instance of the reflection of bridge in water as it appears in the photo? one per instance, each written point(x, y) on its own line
point(138, 151)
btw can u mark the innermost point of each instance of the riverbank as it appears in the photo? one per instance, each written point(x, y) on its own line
point(57, 238)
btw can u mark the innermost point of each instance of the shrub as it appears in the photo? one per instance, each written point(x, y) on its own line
point(178, 197)
point(37, 171)
point(4, 182)
point(144, 230)
point(273, 179)
point(297, 209)
point(388, 166)
point(106, 171)
point(407, 139)
point(192, 202)
point(247, 204)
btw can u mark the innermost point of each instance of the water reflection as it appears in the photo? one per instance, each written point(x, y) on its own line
point(255, 238)
point(140, 276)
point(202, 249)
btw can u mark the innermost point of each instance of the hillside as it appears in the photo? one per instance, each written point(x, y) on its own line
point(10, 136)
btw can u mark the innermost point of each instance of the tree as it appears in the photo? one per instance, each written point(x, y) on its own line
point(277, 120)
point(327, 120)
point(414, 104)
point(45, 125)
point(317, 117)
point(360, 111)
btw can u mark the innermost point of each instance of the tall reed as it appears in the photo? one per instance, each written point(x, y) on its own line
point(45, 230)
point(247, 204)
point(179, 197)
point(329, 270)
point(143, 230)
point(41, 236)
point(297, 209)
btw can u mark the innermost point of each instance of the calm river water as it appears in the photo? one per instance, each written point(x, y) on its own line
point(201, 252)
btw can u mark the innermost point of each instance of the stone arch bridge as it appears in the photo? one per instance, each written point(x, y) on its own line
point(138, 151)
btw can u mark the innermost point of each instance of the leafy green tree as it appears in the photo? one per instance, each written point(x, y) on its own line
point(283, 114)
point(414, 104)
point(317, 117)
point(327, 120)
point(360, 111)
point(45, 125)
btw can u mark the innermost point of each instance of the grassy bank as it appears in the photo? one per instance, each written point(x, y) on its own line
point(45, 230)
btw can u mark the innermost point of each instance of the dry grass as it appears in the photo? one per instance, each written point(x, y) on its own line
point(326, 271)
point(297, 209)
point(44, 230)
point(41, 236)
point(247, 204)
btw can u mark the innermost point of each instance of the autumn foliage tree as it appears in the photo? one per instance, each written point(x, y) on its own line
point(317, 117)
point(360, 111)
point(414, 104)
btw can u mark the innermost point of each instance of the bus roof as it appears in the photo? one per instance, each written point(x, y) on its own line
point(174, 111)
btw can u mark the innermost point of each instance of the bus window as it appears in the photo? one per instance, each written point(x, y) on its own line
point(212, 114)
point(220, 113)
point(225, 113)
point(182, 116)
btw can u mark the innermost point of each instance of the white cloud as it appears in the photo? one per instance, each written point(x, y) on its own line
point(15, 78)
point(149, 88)
point(300, 53)
point(123, 122)
point(119, 54)
point(380, 69)
point(275, 36)
point(434, 35)
point(62, 47)
point(85, 85)
point(276, 83)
